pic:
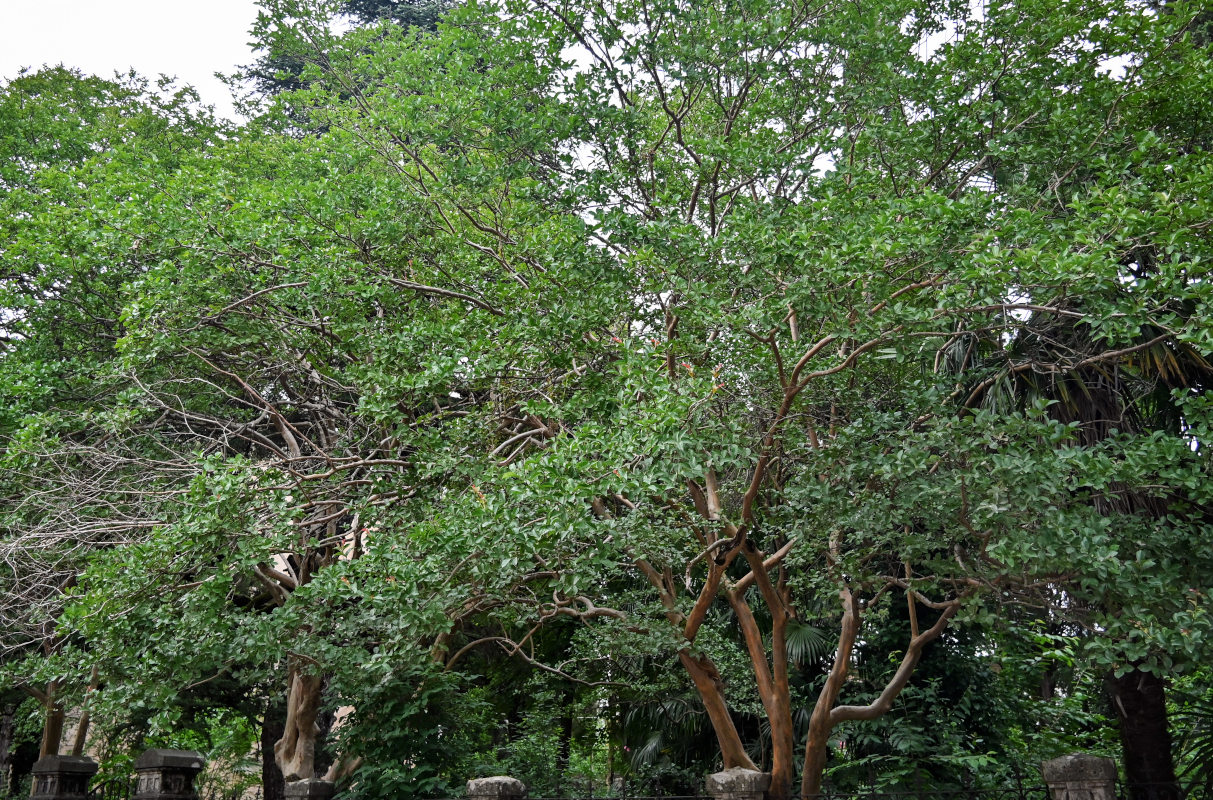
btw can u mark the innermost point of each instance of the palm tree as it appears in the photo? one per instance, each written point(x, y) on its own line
point(1054, 356)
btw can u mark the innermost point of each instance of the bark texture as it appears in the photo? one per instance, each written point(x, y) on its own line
point(52, 732)
point(827, 714)
point(710, 686)
point(273, 726)
point(52, 725)
point(7, 730)
point(1139, 699)
point(81, 737)
point(295, 752)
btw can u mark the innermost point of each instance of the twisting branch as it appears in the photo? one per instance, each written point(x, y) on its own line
point(435, 290)
point(770, 561)
point(901, 677)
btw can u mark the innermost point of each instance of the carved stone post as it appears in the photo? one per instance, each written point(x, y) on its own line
point(62, 777)
point(312, 789)
point(167, 774)
point(739, 783)
point(498, 787)
point(1079, 776)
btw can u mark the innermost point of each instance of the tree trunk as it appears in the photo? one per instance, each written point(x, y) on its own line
point(52, 731)
point(273, 726)
point(1139, 700)
point(821, 722)
point(7, 730)
point(295, 752)
point(52, 726)
point(783, 732)
point(827, 715)
point(773, 689)
point(815, 751)
point(711, 690)
point(81, 737)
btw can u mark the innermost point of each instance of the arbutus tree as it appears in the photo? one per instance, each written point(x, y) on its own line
point(702, 130)
point(767, 174)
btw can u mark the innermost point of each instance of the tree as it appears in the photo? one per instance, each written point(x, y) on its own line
point(708, 190)
point(661, 319)
point(60, 321)
point(283, 63)
point(268, 459)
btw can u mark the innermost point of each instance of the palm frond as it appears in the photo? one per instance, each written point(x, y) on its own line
point(805, 643)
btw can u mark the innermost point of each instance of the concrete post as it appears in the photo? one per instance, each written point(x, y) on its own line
point(167, 774)
point(739, 783)
point(1079, 776)
point(313, 789)
point(62, 777)
point(498, 787)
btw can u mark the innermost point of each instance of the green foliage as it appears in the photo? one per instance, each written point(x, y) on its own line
point(283, 64)
point(411, 729)
point(1192, 712)
point(421, 399)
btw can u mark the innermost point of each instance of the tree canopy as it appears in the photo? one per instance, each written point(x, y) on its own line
point(762, 356)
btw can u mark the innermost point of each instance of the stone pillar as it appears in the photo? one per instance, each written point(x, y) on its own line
point(498, 787)
point(313, 789)
point(62, 777)
point(167, 774)
point(739, 783)
point(1079, 776)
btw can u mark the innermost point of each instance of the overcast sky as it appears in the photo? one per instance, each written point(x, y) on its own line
point(190, 40)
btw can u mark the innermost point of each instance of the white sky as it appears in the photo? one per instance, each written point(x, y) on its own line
point(189, 40)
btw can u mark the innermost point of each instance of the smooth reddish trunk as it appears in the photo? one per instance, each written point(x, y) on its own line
point(821, 722)
point(711, 690)
point(814, 763)
point(773, 689)
point(827, 715)
point(52, 732)
point(770, 667)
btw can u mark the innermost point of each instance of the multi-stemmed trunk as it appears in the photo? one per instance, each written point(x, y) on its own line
point(723, 543)
point(53, 717)
point(295, 752)
point(827, 714)
point(771, 665)
point(771, 672)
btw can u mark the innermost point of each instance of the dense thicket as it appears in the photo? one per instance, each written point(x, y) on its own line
point(649, 385)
